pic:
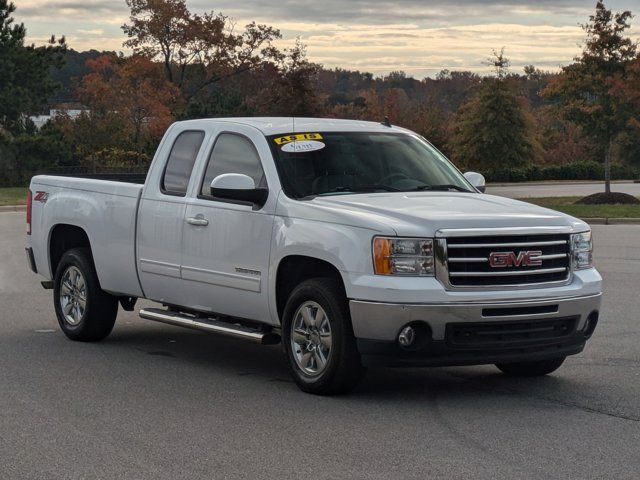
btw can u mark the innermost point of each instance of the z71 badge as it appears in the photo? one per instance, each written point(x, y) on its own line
point(41, 197)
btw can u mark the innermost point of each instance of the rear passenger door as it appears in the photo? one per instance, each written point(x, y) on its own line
point(161, 215)
point(225, 256)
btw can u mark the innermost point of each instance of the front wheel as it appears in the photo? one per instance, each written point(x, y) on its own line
point(85, 312)
point(531, 369)
point(318, 340)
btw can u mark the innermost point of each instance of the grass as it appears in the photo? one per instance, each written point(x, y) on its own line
point(13, 196)
point(567, 205)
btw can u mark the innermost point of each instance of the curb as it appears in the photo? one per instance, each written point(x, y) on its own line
point(13, 208)
point(559, 182)
point(612, 221)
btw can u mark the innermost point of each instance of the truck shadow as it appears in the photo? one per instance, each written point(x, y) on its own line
point(266, 364)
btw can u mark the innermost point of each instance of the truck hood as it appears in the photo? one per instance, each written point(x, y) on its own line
point(423, 213)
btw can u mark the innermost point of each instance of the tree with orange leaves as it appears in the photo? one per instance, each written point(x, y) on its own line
point(196, 51)
point(133, 88)
point(627, 88)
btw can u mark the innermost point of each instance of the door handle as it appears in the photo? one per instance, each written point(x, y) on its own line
point(198, 221)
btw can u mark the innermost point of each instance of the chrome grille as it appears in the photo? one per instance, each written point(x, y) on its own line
point(469, 260)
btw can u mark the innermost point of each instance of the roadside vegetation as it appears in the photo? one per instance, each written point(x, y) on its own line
point(570, 206)
point(13, 196)
point(577, 124)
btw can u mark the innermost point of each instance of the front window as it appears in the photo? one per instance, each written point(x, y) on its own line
point(338, 163)
point(232, 153)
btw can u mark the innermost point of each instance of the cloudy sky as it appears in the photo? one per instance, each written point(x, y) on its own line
point(420, 37)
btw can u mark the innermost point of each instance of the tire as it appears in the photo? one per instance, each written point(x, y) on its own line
point(531, 369)
point(342, 369)
point(95, 321)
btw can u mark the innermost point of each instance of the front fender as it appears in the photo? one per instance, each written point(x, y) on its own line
point(345, 247)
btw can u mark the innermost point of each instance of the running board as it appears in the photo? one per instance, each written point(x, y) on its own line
point(211, 325)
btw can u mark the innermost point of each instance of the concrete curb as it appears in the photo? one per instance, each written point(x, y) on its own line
point(13, 208)
point(612, 221)
point(590, 221)
point(560, 182)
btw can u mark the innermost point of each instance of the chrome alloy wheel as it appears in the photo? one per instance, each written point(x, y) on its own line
point(311, 338)
point(73, 295)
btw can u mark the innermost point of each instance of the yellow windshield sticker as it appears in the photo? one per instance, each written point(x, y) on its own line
point(297, 137)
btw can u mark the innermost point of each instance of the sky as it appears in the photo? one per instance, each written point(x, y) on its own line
point(420, 37)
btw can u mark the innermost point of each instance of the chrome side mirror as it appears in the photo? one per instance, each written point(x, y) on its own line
point(477, 180)
point(238, 187)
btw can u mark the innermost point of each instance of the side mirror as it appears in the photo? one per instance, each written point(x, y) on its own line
point(477, 180)
point(239, 187)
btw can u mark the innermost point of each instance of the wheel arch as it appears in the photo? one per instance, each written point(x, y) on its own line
point(294, 269)
point(64, 237)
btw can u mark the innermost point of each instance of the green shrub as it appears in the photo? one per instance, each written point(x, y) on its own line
point(570, 171)
point(111, 159)
point(27, 155)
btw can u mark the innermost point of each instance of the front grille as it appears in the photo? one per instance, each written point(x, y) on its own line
point(468, 260)
point(509, 334)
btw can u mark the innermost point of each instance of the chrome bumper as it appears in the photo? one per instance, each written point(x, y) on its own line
point(383, 321)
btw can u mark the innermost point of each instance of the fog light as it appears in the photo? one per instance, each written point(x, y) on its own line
point(407, 336)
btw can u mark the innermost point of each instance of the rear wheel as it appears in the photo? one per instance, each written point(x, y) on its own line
point(85, 312)
point(531, 369)
point(318, 339)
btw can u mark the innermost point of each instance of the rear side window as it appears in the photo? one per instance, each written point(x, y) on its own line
point(233, 153)
point(180, 163)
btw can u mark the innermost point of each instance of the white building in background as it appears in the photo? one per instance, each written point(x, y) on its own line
point(60, 111)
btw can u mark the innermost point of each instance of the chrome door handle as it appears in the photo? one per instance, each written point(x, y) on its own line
point(198, 221)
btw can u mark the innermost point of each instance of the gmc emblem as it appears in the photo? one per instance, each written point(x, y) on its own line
point(529, 258)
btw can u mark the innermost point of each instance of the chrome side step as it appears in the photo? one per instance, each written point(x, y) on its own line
point(211, 325)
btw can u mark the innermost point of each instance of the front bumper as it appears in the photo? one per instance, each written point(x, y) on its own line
point(377, 326)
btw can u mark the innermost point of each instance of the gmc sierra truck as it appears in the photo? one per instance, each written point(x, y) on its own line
point(352, 243)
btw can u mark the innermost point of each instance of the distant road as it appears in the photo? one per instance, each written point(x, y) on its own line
point(531, 190)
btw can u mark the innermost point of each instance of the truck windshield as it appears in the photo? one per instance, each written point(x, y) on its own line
point(341, 163)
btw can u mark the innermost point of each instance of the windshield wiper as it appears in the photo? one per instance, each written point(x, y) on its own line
point(362, 189)
point(443, 187)
point(373, 188)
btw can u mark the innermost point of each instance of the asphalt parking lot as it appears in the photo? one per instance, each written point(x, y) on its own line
point(159, 402)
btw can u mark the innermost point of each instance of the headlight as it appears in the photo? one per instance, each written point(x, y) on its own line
point(403, 256)
point(581, 251)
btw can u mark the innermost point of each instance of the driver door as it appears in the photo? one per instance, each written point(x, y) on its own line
point(226, 244)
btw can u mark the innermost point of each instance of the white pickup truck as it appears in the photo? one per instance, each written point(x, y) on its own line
point(353, 243)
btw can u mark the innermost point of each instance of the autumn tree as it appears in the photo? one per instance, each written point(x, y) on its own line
point(293, 87)
point(197, 51)
point(584, 89)
point(431, 121)
point(25, 83)
point(493, 130)
point(625, 86)
point(453, 89)
point(134, 89)
point(129, 107)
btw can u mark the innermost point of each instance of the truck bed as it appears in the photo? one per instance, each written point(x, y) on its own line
point(107, 212)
